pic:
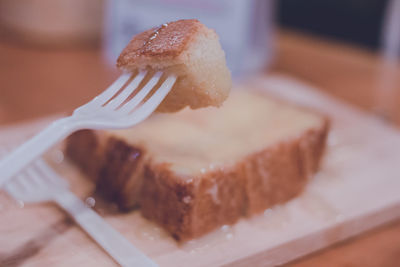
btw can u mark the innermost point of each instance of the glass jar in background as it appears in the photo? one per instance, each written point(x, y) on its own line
point(245, 28)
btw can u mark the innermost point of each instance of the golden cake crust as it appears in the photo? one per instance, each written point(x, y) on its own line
point(163, 42)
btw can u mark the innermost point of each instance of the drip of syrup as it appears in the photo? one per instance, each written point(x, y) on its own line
point(155, 34)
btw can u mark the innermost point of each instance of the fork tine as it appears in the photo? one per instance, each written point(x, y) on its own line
point(159, 95)
point(34, 177)
point(153, 102)
point(102, 98)
point(49, 174)
point(18, 186)
point(128, 90)
point(12, 187)
point(39, 170)
point(131, 104)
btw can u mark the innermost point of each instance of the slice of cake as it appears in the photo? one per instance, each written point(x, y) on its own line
point(193, 171)
point(188, 50)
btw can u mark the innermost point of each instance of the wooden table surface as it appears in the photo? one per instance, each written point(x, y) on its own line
point(35, 82)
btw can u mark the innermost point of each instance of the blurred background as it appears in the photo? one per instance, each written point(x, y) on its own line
point(66, 49)
point(57, 54)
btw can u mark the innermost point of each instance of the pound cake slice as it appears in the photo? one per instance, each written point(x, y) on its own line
point(194, 171)
point(188, 50)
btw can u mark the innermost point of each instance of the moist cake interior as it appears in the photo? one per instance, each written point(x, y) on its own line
point(193, 142)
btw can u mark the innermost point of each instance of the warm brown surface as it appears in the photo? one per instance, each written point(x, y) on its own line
point(193, 183)
point(347, 72)
point(355, 76)
point(75, 76)
point(379, 247)
point(36, 82)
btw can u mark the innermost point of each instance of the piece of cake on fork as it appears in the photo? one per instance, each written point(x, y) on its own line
point(188, 50)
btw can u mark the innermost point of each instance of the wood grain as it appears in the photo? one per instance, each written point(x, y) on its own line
point(348, 196)
point(356, 76)
point(350, 73)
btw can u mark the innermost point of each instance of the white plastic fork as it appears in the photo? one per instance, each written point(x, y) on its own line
point(112, 109)
point(40, 183)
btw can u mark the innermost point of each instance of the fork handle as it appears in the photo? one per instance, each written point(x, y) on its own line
point(34, 147)
point(117, 246)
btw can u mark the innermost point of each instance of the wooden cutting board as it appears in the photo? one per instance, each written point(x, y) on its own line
point(357, 189)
